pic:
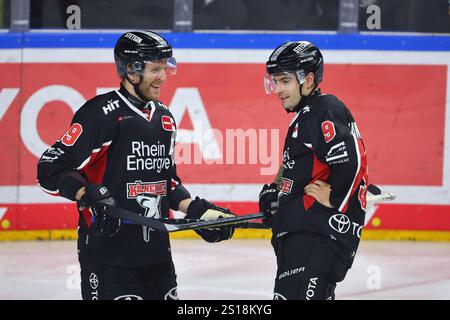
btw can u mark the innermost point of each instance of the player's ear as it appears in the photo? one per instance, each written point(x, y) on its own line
point(310, 80)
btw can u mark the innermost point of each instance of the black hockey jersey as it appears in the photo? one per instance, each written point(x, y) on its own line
point(128, 149)
point(323, 143)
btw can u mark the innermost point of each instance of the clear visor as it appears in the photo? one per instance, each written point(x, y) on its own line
point(273, 81)
point(169, 65)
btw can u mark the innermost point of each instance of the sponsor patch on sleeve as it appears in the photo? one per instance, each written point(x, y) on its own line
point(286, 185)
point(337, 153)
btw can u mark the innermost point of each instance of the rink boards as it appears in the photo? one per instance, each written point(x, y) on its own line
point(398, 93)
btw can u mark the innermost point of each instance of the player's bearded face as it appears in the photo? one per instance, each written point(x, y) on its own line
point(154, 76)
point(288, 90)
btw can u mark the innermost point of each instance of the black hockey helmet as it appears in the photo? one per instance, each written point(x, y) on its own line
point(135, 48)
point(298, 57)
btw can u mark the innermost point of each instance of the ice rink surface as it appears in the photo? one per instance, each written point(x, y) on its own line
point(235, 270)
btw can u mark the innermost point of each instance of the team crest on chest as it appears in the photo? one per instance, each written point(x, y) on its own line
point(168, 123)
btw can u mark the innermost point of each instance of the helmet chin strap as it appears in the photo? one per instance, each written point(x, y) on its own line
point(302, 97)
point(311, 92)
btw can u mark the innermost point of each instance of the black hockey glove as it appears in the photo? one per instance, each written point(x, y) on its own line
point(268, 202)
point(205, 210)
point(97, 198)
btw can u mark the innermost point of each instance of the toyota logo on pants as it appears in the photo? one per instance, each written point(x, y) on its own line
point(339, 222)
point(93, 281)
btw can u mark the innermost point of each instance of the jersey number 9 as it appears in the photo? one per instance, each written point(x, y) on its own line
point(72, 135)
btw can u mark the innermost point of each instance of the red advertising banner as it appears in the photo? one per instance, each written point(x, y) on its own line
point(400, 110)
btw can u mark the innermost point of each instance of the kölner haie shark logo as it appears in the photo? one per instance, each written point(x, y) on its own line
point(152, 205)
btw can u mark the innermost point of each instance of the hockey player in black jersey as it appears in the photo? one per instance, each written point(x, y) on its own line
point(118, 151)
point(317, 211)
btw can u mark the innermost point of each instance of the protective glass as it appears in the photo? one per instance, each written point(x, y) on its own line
point(169, 65)
point(271, 80)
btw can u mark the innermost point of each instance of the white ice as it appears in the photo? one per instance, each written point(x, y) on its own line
point(234, 270)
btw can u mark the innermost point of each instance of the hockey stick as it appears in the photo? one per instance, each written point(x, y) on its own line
point(171, 225)
point(174, 225)
point(383, 197)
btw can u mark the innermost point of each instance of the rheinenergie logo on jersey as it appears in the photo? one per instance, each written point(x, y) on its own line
point(148, 157)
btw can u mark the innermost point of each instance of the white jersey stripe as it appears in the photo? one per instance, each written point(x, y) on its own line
point(55, 193)
point(85, 162)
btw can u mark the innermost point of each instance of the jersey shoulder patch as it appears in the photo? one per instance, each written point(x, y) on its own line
point(101, 105)
point(91, 116)
point(324, 114)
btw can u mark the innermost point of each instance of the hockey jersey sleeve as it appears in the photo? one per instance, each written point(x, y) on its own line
point(337, 142)
point(177, 190)
point(59, 170)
